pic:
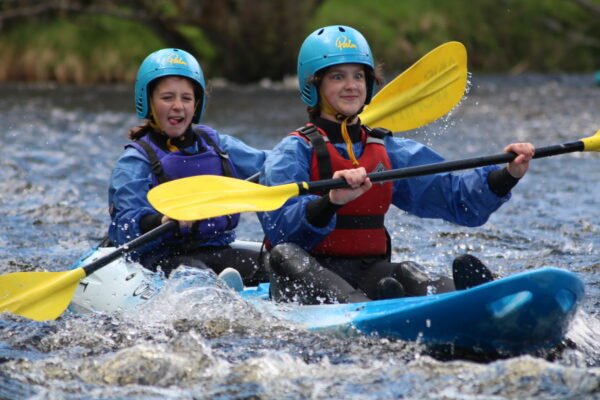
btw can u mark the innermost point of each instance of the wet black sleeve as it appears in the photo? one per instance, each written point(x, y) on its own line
point(320, 211)
point(501, 182)
point(149, 222)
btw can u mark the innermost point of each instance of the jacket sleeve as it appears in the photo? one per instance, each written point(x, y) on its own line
point(289, 162)
point(460, 198)
point(246, 159)
point(130, 181)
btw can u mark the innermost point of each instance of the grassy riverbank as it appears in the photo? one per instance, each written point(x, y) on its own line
point(79, 50)
point(501, 36)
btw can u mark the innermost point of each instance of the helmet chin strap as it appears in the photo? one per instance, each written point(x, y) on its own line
point(153, 121)
point(327, 108)
point(155, 124)
point(198, 105)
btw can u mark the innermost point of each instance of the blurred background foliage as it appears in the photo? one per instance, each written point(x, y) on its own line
point(103, 41)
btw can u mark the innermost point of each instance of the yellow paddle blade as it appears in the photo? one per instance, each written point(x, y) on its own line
point(39, 296)
point(592, 143)
point(423, 93)
point(207, 196)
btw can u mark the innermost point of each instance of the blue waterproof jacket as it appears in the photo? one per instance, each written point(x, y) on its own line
point(132, 178)
point(464, 199)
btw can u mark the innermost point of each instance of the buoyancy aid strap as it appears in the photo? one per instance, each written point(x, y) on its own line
point(317, 141)
point(371, 139)
point(227, 171)
point(157, 168)
point(388, 247)
point(359, 221)
point(222, 155)
point(377, 135)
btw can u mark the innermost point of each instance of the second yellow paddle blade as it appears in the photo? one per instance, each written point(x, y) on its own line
point(39, 296)
point(426, 91)
point(207, 196)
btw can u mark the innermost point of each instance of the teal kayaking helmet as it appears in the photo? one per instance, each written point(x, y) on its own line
point(328, 46)
point(168, 62)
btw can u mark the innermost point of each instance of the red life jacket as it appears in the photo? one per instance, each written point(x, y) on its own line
point(359, 229)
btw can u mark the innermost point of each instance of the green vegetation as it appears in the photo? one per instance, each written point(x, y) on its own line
point(505, 36)
point(83, 49)
point(244, 41)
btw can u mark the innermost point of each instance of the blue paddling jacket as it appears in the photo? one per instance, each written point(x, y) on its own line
point(133, 177)
point(465, 199)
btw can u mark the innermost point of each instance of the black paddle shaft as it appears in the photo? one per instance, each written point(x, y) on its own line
point(139, 241)
point(129, 246)
point(448, 166)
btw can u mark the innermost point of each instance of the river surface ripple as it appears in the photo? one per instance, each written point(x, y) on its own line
point(58, 148)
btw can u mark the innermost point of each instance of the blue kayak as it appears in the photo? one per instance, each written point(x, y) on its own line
point(514, 315)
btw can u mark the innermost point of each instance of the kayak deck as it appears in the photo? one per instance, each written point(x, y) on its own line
point(517, 314)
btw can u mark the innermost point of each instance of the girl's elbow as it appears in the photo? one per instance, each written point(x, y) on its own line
point(475, 220)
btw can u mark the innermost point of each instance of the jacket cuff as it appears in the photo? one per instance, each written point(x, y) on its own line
point(149, 222)
point(320, 211)
point(501, 182)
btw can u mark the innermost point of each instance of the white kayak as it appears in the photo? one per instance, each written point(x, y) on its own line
point(122, 285)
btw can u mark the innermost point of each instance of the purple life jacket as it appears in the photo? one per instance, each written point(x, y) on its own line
point(209, 160)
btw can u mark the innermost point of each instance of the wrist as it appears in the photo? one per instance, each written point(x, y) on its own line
point(320, 211)
point(501, 181)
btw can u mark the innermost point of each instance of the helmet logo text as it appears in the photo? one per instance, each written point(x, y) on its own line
point(343, 42)
point(176, 60)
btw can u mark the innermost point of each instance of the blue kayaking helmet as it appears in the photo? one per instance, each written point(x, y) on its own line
point(167, 62)
point(328, 46)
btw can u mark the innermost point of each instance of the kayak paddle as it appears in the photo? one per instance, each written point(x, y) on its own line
point(208, 196)
point(44, 295)
point(426, 91)
point(423, 93)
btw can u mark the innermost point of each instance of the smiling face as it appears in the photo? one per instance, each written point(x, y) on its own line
point(344, 87)
point(174, 104)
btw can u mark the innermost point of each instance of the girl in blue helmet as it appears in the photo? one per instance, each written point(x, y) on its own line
point(170, 95)
point(334, 247)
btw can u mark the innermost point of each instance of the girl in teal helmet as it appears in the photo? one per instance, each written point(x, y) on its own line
point(334, 247)
point(168, 62)
point(329, 46)
point(170, 96)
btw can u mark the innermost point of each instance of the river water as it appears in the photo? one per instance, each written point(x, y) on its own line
point(58, 148)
